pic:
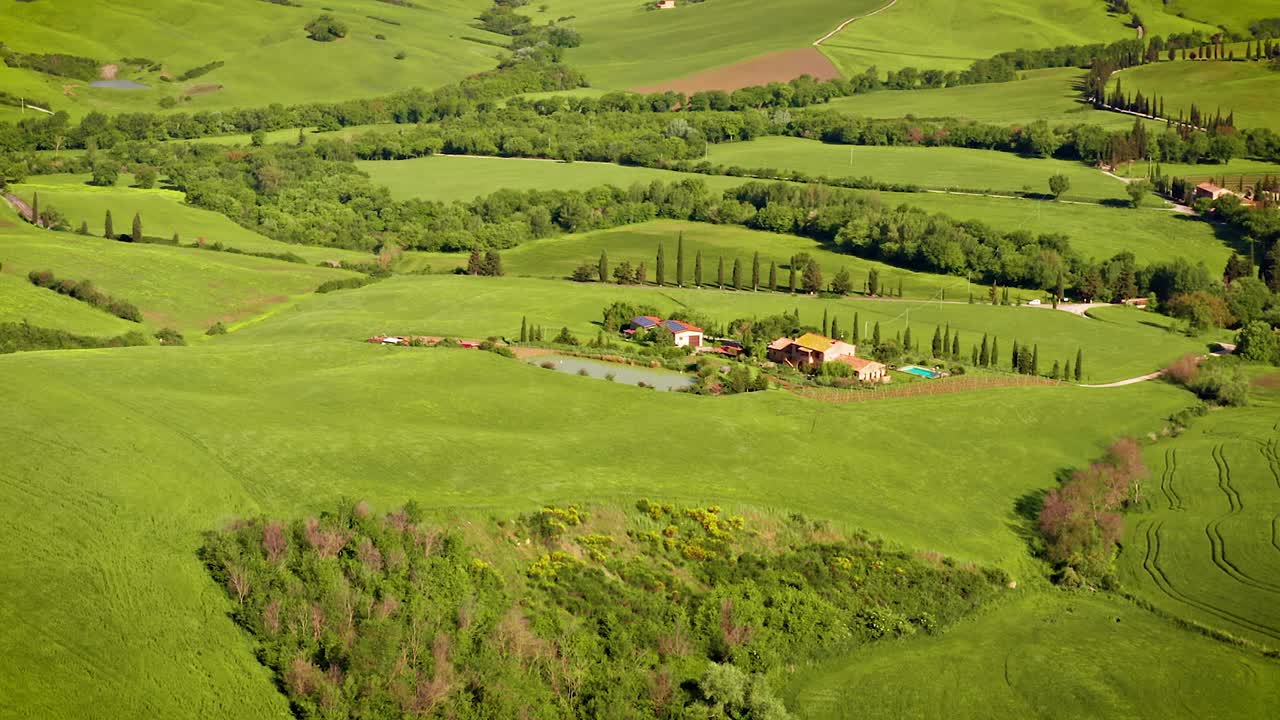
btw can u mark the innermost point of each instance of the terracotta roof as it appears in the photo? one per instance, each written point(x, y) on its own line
point(781, 343)
point(679, 326)
point(814, 341)
point(1208, 186)
point(858, 363)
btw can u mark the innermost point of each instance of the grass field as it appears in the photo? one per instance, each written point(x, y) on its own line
point(1049, 95)
point(447, 178)
point(1129, 343)
point(1046, 656)
point(951, 34)
point(1207, 547)
point(163, 214)
point(20, 300)
point(1234, 15)
point(267, 54)
point(620, 37)
point(943, 167)
point(186, 289)
point(110, 613)
point(1250, 89)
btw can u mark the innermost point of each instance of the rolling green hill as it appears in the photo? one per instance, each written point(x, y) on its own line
point(1250, 89)
point(268, 57)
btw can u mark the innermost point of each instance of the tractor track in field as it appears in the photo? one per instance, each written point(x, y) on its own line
point(1166, 479)
point(1151, 564)
point(1213, 530)
point(1271, 453)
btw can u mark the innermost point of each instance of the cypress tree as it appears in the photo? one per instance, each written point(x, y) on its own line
point(984, 355)
point(875, 335)
point(1035, 359)
point(899, 287)
point(1066, 370)
point(1057, 370)
point(826, 326)
point(1079, 363)
point(974, 354)
point(84, 227)
point(755, 272)
point(737, 274)
point(720, 273)
point(640, 274)
point(835, 328)
point(602, 268)
point(906, 337)
point(946, 341)
point(955, 346)
point(108, 231)
point(1059, 291)
point(936, 346)
point(857, 328)
point(994, 357)
point(35, 209)
point(137, 227)
point(697, 269)
point(524, 329)
point(177, 240)
point(773, 276)
point(1013, 362)
point(680, 260)
point(791, 284)
point(660, 267)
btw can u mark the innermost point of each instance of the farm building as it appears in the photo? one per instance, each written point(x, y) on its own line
point(683, 333)
point(665, 4)
point(864, 369)
point(809, 350)
point(1211, 191)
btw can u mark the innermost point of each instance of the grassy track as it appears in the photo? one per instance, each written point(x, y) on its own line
point(1251, 89)
point(267, 54)
point(109, 612)
point(163, 214)
point(626, 45)
point(1049, 95)
point(465, 178)
point(1046, 656)
point(1123, 344)
point(943, 167)
point(186, 289)
point(1208, 550)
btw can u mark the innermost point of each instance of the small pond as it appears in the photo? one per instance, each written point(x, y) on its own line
point(119, 85)
point(625, 374)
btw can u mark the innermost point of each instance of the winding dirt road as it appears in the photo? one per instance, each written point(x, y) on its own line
point(845, 24)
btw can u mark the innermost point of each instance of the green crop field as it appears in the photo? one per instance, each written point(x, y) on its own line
point(163, 214)
point(1207, 547)
point(1235, 15)
point(626, 45)
point(1096, 231)
point(1123, 344)
point(943, 167)
point(951, 34)
point(445, 178)
point(20, 300)
point(1046, 656)
point(1050, 95)
point(280, 423)
point(183, 288)
point(1250, 89)
point(268, 57)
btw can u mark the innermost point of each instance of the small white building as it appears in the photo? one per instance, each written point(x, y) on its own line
point(685, 334)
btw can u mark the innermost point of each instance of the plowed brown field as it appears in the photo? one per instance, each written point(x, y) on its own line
point(779, 66)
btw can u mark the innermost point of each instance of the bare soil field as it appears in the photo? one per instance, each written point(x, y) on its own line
point(774, 67)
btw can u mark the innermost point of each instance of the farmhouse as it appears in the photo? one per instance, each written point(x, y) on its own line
point(1211, 191)
point(665, 4)
point(864, 369)
point(809, 350)
point(683, 333)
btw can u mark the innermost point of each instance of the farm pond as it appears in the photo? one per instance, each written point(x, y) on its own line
point(119, 85)
point(625, 374)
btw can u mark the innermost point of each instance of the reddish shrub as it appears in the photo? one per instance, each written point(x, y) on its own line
point(274, 542)
point(1183, 370)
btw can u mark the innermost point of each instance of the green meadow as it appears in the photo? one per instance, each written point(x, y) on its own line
point(1051, 95)
point(183, 288)
point(951, 34)
point(1123, 343)
point(268, 57)
point(626, 44)
point(1235, 15)
point(1052, 655)
point(1250, 89)
point(1205, 548)
point(445, 178)
point(163, 213)
point(930, 167)
point(20, 300)
point(290, 414)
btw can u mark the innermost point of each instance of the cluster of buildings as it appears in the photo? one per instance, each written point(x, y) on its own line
point(809, 351)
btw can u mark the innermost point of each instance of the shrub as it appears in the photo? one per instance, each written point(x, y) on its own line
point(85, 292)
point(326, 28)
point(169, 336)
point(216, 329)
point(18, 337)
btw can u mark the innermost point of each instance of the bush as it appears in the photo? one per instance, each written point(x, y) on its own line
point(326, 28)
point(216, 329)
point(18, 337)
point(169, 336)
point(329, 286)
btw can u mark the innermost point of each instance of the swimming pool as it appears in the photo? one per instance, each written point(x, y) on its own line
point(917, 370)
